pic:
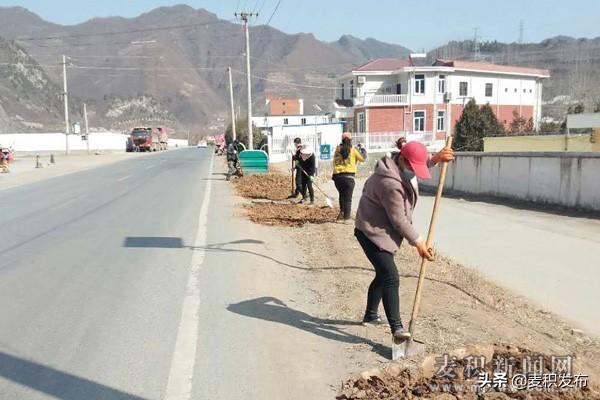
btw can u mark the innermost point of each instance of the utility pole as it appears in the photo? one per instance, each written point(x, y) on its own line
point(231, 101)
point(476, 48)
point(66, 98)
point(521, 31)
point(244, 16)
point(87, 128)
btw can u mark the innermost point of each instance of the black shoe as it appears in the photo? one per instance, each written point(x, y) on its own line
point(400, 335)
point(292, 196)
point(375, 321)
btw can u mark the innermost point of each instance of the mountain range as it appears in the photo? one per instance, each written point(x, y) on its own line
point(169, 66)
point(176, 59)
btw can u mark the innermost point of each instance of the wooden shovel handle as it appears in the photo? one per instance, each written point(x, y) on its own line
point(438, 197)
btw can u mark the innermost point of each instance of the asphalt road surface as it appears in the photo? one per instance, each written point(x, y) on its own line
point(136, 280)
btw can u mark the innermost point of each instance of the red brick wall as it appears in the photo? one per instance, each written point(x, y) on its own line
point(504, 113)
point(391, 119)
point(284, 107)
point(386, 119)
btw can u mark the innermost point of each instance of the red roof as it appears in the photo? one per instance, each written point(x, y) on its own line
point(384, 64)
point(479, 66)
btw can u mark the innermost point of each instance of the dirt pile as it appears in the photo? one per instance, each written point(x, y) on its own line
point(476, 372)
point(293, 215)
point(272, 186)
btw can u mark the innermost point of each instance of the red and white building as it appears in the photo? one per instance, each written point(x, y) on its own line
point(386, 98)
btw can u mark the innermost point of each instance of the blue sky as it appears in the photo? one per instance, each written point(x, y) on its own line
point(417, 24)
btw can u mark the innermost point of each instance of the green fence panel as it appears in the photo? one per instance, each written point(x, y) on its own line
point(254, 162)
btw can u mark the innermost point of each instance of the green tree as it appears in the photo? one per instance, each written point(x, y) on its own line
point(241, 131)
point(550, 127)
point(518, 123)
point(578, 108)
point(474, 124)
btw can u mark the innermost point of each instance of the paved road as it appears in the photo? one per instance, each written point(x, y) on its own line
point(136, 281)
point(550, 259)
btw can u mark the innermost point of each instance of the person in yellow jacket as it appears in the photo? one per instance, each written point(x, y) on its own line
point(345, 159)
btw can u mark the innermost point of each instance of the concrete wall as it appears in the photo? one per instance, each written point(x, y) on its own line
point(46, 142)
point(576, 143)
point(565, 179)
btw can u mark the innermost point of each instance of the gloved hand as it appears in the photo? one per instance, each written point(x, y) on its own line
point(424, 252)
point(445, 155)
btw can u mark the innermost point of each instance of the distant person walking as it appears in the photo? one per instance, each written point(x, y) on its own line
point(308, 167)
point(384, 220)
point(232, 159)
point(345, 159)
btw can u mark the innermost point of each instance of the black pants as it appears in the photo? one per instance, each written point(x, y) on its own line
point(299, 179)
point(345, 187)
point(307, 184)
point(386, 284)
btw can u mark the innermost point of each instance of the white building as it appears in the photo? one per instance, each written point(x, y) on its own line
point(386, 98)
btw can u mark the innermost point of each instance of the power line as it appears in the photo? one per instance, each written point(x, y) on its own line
point(161, 28)
point(262, 78)
point(274, 11)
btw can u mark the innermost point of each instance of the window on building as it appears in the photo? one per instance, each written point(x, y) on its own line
point(515, 90)
point(419, 121)
point(463, 89)
point(441, 120)
point(303, 121)
point(506, 90)
point(420, 84)
point(489, 90)
point(398, 88)
point(524, 90)
point(442, 84)
point(361, 122)
point(285, 121)
point(530, 90)
point(283, 103)
point(351, 89)
point(342, 91)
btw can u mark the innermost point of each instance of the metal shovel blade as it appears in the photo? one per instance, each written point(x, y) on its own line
point(407, 348)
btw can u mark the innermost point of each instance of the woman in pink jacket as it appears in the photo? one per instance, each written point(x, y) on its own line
point(384, 220)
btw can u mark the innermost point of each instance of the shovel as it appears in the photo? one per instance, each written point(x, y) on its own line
point(328, 199)
point(411, 347)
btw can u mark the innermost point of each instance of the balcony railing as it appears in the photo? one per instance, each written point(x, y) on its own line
point(381, 100)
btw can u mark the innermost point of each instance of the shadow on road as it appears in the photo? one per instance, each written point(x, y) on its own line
point(55, 383)
point(274, 310)
point(177, 243)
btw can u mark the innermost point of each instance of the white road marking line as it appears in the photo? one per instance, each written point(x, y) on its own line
point(67, 202)
point(150, 166)
point(123, 178)
point(181, 374)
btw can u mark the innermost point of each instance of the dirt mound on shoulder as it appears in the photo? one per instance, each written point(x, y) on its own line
point(477, 372)
point(272, 186)
point(290, 214)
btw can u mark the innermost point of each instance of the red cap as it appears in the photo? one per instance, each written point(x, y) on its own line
point(416, 155)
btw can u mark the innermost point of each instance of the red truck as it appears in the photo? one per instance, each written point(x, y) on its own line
point(147, 139)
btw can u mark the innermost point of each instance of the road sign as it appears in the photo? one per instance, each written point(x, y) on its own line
point(325, 151)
